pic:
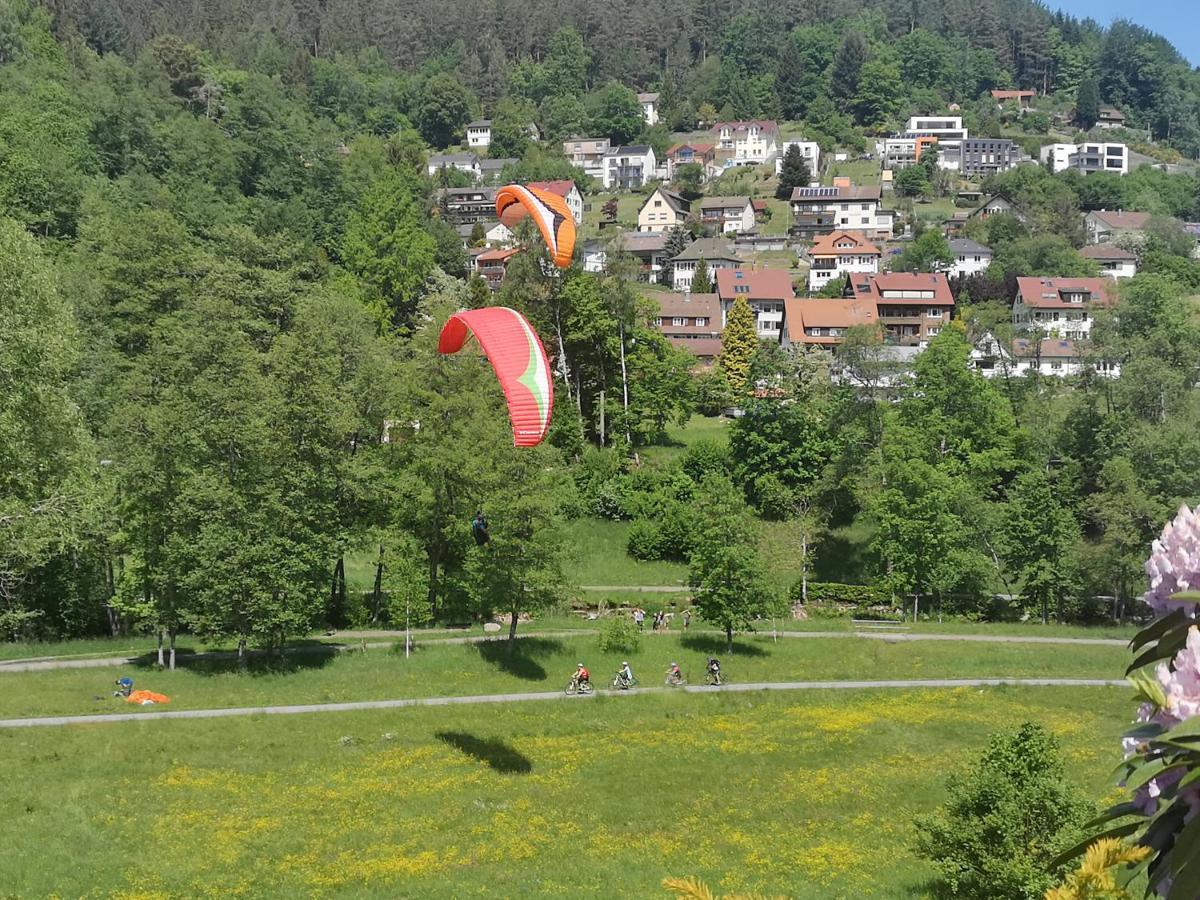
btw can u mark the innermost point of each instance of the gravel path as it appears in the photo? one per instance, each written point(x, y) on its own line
point(555, 695)
point(49, 663)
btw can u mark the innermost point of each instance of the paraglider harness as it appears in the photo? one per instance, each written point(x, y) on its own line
point(479, 529)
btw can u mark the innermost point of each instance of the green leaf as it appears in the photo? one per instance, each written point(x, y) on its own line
point(1145, 772)
point(1166, 648)
point(1187, 847)
point(1148, 688)
point(1118, 831)
point(1158, 628)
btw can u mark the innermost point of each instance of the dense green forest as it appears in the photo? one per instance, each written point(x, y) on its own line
point(221, 281)
point(814, 60)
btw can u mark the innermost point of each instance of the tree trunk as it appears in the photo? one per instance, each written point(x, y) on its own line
point(625, 385)
point(1045, 610)
point(602, 441)
point(337, 594)
point(916, 606)
point(377, 589)
point(172, 632)
point(728, 638)
point(434, 560)
point(241, 655)
point(160, 646)
point(804, 569)
point(512, 632)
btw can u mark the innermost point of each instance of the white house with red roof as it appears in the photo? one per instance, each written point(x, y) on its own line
point(913, 307)
point(838, 254)
point(690, 321)
point(1061, 307)
point(766, 290)
point(566, 189)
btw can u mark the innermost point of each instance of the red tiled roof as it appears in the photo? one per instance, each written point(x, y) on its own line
point(826, 244)
point(1046, 293)
point(695, 148)
point(702, 347)
point(497, 256)
point(825, 313)
point(562, 187)
point(764, 124)
point(1051, 348)
point(1106, 251)
point(877, 286)
point(754, 284)
point(1012, 95)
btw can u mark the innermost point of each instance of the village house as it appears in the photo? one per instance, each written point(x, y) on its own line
point(819, 210)
point(1048, 357)
point(566, 189)
point(905, 148)
point(495, 234)
point(901, 151)
point(1061, 308)
point(492, 265)
point(1110, 118)
point(981, 157)
point(587, 154)
point(913, 307)
point(662, 211)
point(1105, 227)
point(626, 168)
point(838, 254)
point(746, 143)
point(490, 170)
point(810, 150)
point(463, 206)
point(690, 321)
point(716, 253)
point(728, 215)
point(1086, 158)
point(764, 289)
point(649, 104)
point(479, 134)
point(1114, 262)
point(970, 258)
point(701, 154)
point(1024, 99)
point(463, 162)
point(994, 205)
point(824, 322)
point(649, 249)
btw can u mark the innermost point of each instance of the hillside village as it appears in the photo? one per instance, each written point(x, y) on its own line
point(819, 255)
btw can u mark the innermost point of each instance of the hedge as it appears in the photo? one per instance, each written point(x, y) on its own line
point(833, 592)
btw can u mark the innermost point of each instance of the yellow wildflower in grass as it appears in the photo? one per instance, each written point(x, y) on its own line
point(1094, 879)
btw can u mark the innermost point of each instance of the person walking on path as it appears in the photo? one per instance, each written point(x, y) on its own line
point(639, 617)
point(687, 619)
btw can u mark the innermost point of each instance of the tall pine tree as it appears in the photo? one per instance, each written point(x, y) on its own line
point(739, 344)
point(794, 174)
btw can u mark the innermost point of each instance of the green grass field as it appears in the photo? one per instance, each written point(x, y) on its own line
point(538, 664)
point(809, 795)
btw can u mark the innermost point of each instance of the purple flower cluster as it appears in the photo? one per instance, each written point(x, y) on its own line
point(1174, 563)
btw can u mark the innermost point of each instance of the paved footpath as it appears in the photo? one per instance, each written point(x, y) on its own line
point(48, 663)
point(908, 684)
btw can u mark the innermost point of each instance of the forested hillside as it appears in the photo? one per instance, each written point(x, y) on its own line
point(873, 58)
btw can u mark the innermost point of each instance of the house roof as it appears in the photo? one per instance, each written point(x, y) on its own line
point(497, 256)
point(1107, 252)
point(759, 205)
point(763, 124)
point(754, 284)
point(690, 306)
point(630, 150)
point(675, 201)
point(890, 287)
point(1012, 95)
point(478, 194)
point(1051, 348)
point(738, 203)
point(1119, 220)
point(480, 123)
point(992, 198)
point(642, 241)
point(562, 186)
point(827, 244)
point(835, 193)
point(704, 348)
point(967, 247)
point(702, 149)
point(710, 249)
point(801, 313)
point(647, 98)
point(495, 165)
point(1047, 293)
point(1112, 113)
point(447, 159)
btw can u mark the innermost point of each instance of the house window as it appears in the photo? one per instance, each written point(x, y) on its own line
point(678, 321)
point(935, 331)
point(658, 322)
point(933, 312)
point(701, 321)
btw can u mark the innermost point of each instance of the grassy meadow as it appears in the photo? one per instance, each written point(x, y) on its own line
point(809, 796)
point(538, 664)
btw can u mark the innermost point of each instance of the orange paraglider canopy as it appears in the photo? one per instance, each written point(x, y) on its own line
point(145, 698)
point(551, 213)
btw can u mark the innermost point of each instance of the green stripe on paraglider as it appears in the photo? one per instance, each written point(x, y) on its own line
point(530, 377)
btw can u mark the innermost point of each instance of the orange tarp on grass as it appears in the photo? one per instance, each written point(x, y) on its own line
point(144, 698)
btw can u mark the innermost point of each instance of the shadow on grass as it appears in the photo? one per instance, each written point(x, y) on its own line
point(520, 662)
point(494, 753)
point(714, 645)
point(296, 656)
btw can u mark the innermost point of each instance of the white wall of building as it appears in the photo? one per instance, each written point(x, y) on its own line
point(818, 278)
point(479, 136)
point(808, 149)
point(966, 265)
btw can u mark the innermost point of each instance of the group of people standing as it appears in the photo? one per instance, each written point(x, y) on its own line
point(662, 621)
